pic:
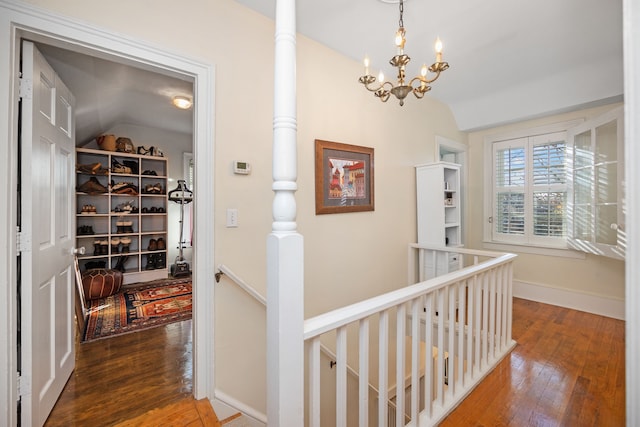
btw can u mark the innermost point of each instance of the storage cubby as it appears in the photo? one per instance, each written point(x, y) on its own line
point(121, 204)
point(438, 213)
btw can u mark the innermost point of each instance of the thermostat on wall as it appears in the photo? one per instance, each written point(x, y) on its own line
point(242, 168)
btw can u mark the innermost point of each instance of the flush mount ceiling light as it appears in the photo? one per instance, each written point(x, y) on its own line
point(182, 102)
point(384, 89)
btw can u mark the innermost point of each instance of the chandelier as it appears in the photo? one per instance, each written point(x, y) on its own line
point(384, 89)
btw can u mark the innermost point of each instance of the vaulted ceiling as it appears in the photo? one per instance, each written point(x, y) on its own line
point(510, 60)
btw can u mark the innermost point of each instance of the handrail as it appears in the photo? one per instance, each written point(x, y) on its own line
point(326, 322)
point(251, 291)
point(243, 285)
point(465, 331)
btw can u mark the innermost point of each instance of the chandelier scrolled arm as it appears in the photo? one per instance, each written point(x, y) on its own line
point(384, 89)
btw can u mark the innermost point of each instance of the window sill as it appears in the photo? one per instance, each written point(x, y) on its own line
point(535, 250)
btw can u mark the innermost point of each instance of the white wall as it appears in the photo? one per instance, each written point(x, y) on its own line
point(588, 283)
point(347, 256)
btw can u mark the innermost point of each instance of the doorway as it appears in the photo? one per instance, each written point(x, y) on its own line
point(40, 27)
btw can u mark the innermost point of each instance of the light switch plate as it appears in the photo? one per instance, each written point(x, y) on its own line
point(232, 217)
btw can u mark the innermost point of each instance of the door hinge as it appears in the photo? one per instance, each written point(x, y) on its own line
point(23, 242)
point(23, 386)
point(25, 88)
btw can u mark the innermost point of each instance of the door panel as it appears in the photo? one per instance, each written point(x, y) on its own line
point(48, 171)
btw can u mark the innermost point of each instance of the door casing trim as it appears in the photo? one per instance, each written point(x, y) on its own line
point(23, 20)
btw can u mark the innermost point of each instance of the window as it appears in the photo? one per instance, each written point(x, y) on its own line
point(529, 184)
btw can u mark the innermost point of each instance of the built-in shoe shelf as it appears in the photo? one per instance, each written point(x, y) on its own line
point(121, 213)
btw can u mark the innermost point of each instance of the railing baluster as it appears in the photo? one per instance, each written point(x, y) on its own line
point(364, 373)
point(441, 349)
point(451, 335)
point(416, 311)
point(462, 317)
point(485, 318)
point(429, 377)
point(471, 309)
point(492, 316)
point(505, 304)
point(401, 320)
point(314, 382)
point(383, 370)
point(341, 377)
point(499, 302)
point(478, 280)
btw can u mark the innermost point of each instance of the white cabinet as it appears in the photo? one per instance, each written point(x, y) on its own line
point(121, 213)
point(596, 215)
point(438, 213)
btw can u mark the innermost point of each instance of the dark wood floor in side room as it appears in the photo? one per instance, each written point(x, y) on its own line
point(567, 370)
point(123, 377)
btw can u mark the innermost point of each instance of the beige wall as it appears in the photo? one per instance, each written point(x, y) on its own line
point(593, 275)
point(347, 256)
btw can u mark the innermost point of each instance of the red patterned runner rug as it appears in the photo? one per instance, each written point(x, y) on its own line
point(138, 307)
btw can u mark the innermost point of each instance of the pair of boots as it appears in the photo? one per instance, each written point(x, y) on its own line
point(155, 261)
point(120, 264)
point(116, 242)
point(100, 247)
point(124, 227)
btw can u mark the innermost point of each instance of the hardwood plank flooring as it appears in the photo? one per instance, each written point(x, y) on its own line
point(567, 370)
point(123, 377)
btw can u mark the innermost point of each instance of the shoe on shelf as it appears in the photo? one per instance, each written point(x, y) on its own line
point(161, 260)
point(160, 244)
point(126, 242)
point(92, 169)
point(151, 262)
point(117, 167)
point(122, 259)
point(104, 247)
point(96, 248)
point(92, 186)
point(150, 173)
point(153, 245)
point(115, 244)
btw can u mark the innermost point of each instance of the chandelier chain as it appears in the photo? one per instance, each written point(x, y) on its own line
point(401, 21)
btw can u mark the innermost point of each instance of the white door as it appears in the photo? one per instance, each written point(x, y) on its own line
point(47, 236)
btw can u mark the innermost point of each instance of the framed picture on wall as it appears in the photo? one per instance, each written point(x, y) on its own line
point(344, 178)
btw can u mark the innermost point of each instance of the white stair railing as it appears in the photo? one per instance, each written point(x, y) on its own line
point(459, 328)
point(252, 292)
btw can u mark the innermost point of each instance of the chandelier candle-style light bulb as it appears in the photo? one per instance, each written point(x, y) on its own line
point(384, 89)
point(438, 48)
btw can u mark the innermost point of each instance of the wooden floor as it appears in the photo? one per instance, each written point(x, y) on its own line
point(567, 370)
point(123, 377)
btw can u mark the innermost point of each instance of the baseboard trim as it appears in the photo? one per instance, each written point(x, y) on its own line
point(596, 304)
point(226, 406)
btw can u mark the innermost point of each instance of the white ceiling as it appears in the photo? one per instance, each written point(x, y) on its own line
point(510, 59)
point(110, 93)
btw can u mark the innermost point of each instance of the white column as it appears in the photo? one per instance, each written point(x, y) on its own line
point(285, 269)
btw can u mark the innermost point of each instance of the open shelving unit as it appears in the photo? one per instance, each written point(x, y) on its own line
point(438, 213)
point(144, 224)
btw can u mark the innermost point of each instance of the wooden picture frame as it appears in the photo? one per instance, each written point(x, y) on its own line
point(344, 178)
